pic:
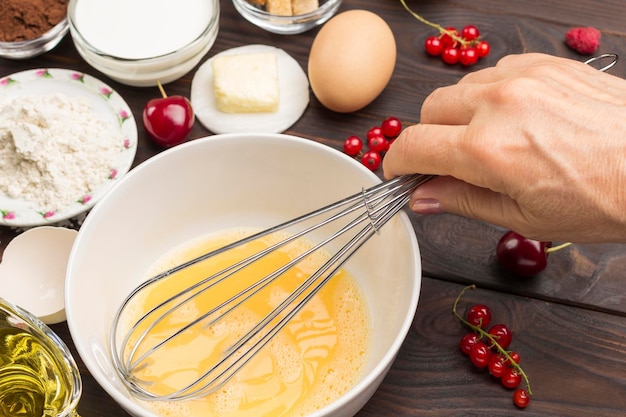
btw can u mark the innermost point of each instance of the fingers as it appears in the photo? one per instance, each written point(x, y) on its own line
point(449, 106)
point(457, 104)
point(568, 73)
point(449, 195)
point(427, 149)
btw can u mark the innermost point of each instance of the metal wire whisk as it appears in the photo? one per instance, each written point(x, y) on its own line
point(348, 223)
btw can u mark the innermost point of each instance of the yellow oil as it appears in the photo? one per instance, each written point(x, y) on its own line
point(316, 358)
point(33, 380)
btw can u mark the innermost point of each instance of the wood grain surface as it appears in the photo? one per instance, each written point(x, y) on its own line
point(569, 323)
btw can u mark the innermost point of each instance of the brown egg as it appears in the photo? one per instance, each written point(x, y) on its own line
point(351, 60)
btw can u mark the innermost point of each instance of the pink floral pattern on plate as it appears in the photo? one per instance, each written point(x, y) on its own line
point(18, 212)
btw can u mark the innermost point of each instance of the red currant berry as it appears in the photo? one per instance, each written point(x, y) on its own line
point(447, 39)
point(374, 131)
point(352, 145)
point(483, 48)
point(521, 256)
point(468, 56)
point(371, 160)
point(378, 143)
point(391, 127)
point(480, 354)
point(479, 315)
point(502, 334)
point(450, 55)
point(433, 45)
point(497, 366)
point(470, 32)
point(468, 341)
point(514, 357)
point(511, 378)
point(521, 398)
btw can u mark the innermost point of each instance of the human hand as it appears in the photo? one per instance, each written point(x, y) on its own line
point(536, 144)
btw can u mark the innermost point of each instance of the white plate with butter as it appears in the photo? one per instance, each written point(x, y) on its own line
point(293, 96)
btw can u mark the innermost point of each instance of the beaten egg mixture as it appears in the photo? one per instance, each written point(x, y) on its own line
point(316, 358)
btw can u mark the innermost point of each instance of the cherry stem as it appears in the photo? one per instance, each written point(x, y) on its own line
point(161, 89)
point(559, 247)
point(440, 28)
point(493, 340)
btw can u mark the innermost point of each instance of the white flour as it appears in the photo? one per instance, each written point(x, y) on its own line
point(54, 149)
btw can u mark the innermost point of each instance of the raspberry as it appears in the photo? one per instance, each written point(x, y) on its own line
point(584, 40)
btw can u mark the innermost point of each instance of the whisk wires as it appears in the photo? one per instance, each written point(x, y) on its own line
point(351, 222)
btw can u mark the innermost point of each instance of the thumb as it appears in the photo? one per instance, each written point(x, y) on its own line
point(450, 195)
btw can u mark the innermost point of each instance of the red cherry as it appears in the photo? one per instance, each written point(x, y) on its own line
point(468, 56)
point(480, 354)
point(352, 145)
point(511, 378)
point(483, 48)
point(479, 315)
point(371, 160)
point(521, 398)
point(502, 334)
point(468, 341)
point(391, 127)
point(433, 45)
point(450, 55)
point(470, 32)
point(168, 120)
point(521, 256)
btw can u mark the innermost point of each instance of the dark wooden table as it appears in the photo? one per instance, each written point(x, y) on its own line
point(569, 323)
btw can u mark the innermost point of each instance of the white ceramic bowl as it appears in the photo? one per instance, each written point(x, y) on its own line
point(222, 182)
point(128, 44)
point(286, 25)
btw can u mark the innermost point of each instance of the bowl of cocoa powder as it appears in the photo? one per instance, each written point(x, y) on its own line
point(31, 27)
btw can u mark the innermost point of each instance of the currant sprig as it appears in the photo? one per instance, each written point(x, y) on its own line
point(510, 358)
point(379, 138)
point(453, 33)
point(466, 47)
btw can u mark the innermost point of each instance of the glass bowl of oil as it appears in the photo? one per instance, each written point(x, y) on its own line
point(38, 375)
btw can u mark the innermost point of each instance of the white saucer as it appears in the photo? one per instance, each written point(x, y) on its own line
point(294, 96)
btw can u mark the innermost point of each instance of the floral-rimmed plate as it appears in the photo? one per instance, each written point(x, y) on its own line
point(105, 102)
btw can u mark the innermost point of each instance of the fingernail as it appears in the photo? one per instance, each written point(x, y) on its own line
point(427, 206)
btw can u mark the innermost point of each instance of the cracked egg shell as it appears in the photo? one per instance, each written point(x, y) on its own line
point(32, 272)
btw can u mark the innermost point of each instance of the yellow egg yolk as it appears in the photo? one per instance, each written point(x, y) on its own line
point(313, 360)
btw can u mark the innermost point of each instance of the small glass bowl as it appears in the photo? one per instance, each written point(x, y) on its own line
point(33, 47)
point(146, 71)
point(24, 372)
point(286, 25)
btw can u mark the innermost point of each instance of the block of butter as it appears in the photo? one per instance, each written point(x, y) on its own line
point(246, 83)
